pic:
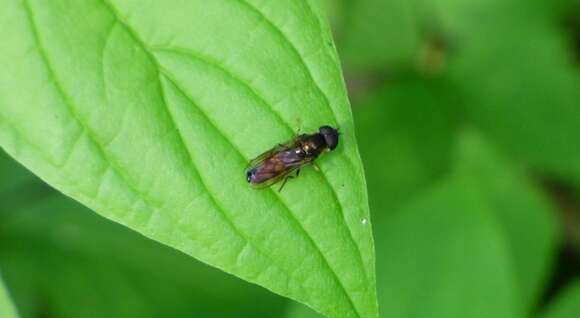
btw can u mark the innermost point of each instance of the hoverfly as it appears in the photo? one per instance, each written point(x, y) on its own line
point(277, 163)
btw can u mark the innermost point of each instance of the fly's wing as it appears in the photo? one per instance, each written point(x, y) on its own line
point(270, 153)
point(276, 167)
point(275, 179)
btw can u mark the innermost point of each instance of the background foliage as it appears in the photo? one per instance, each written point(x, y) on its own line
point(468, 121)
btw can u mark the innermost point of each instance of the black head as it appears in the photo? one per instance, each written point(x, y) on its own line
point(330, 136)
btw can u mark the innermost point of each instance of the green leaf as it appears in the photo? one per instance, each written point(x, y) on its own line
point(148, 113)
point(12, 175)
point(531, 117)
point(55, 252)
point(522, 213)
point(18, 186)
point(379, 34)
point(464, 18)
point(335, 11)
point(567, 304)
point(443, 256)
point(400, 34)
point(406, 134)
point(297, 310)
point(7, 309)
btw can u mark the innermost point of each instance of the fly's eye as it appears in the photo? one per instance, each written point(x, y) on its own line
point(330, 136)
point(249, 176)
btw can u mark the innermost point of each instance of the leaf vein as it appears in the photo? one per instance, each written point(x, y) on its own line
point(69, 105)
point(280, 34)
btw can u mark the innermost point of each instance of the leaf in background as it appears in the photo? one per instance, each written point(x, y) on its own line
point(443, 256)
point(522, 213)
point(7, 309)
point(147, 112)
point(528, 102)
point(478, 244)
point(57, 253)
point(515, 71)
point(464, 18)
point(379, 34)
point(297, 310)
point(567, 304)
point(335, 10)
point(18, 186)
point(406, 133)
point(12, 175)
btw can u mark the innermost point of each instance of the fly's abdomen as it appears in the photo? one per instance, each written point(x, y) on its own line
point(264, 173)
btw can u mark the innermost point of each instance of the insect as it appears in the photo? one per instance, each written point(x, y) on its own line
point(279, 162)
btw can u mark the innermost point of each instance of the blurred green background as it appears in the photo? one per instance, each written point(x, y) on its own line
point(468, 121)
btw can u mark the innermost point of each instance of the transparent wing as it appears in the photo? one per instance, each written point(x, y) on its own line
point(275, 179)
point(268, 154)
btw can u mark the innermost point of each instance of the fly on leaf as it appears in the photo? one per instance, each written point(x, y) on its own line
point(279, 162)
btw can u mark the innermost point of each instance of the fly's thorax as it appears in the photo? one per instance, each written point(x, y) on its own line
point(313, 145)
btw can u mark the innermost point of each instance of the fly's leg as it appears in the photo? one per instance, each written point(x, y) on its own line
point(284, 182)
point(288, 178)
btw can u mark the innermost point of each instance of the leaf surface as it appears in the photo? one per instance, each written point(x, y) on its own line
point(523, 214)
point(530, 117)
point(412, 120)
point(380, 34)
point(147, 112)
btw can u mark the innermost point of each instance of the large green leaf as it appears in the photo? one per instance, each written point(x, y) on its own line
point(443, 256)
point(7, 309)
point(148, 111)
point(567, 305)
point(406, 133)
point(515, 71)
point(533, 118)
point(56, 253)
point(522, 213)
